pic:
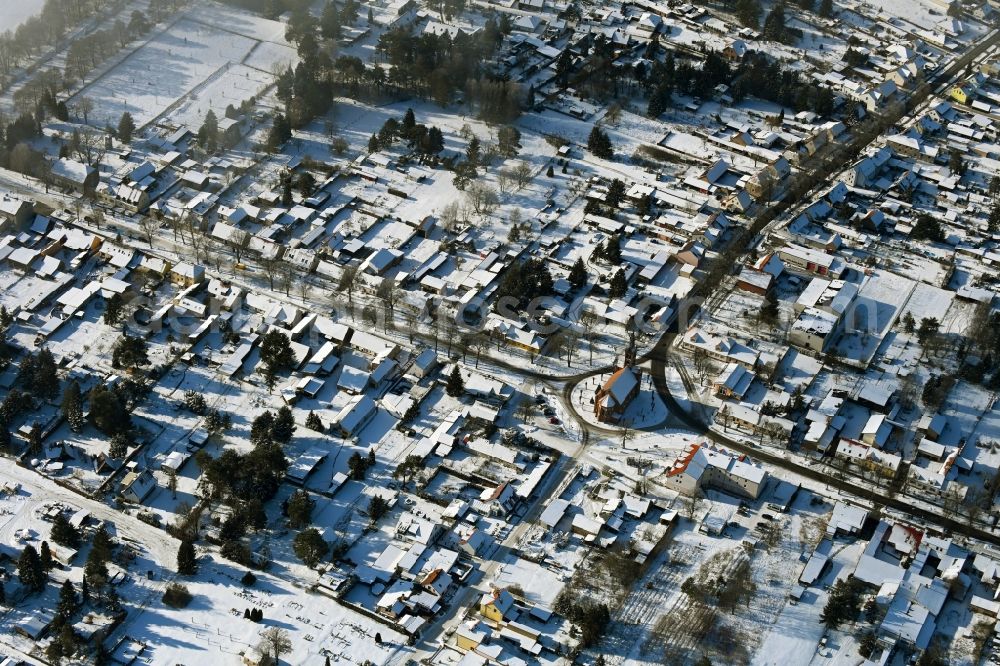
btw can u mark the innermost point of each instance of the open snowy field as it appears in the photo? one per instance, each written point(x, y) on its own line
point(212, 628)
point(213, 56)
point(232, 85)
point(921, 13)
point(15, 12)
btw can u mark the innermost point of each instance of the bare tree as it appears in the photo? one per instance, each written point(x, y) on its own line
point(572, 338)
point(286, 277)
point(274, 641)
point(505, 178)
point(692, 504)
point(148, 226)
point(628, 434)
point(239, 241)
point(199, 246)
point(172, 481)
point(213, 252)
point(91, 148)
point(410, 323)
point(177, 226)
point(389, 292)
point(185, 226)
point(305, 289)
point(522, 174)
point(591, 336)
point(481, 342)
point(85, 106)
point(702, 363)
point(270, 266)
point(482, 198)
point(451, 215)
point(450, 327)
point(465, 344)
point(348, 281)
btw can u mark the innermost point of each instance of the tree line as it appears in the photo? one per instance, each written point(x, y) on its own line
point(436, 67)
point(755, 75)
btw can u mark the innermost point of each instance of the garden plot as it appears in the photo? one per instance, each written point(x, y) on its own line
point(240, 22)
point(208, 53)
point(815, 38)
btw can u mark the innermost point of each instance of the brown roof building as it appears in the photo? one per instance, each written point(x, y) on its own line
point(614, 397)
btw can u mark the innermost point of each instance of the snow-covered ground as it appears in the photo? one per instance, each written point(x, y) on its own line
point(211, 57)
point(234, 85)
point(212, 628)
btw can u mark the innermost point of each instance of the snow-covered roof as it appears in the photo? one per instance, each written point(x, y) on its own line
point(71, 170)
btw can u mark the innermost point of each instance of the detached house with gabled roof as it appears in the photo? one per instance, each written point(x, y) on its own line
point(733, 381)
point(15, 212)
point(187, 274)
point(136, 486)
point(74, 175)
point(497, 606)
point(720, 348)
point(498, 501)
point(866, 172)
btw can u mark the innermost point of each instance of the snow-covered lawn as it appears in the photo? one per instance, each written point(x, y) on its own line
point(221, 55)
point(212, 629)
point(233, 85)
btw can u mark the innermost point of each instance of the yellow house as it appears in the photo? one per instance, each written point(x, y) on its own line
point(186, 274)
point(496, 605)
point(961, 94)
point(470, 635)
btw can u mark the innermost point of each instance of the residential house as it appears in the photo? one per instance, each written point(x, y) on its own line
point(753, 281)
point(136, 486)
point(720, 348)
point(186, 274)
point(74, 175)
point(813, 329)
point(15, 213)
point(733, 382)
point(812, 261)
point(498, 501)
point(355, 415)
point(497, 606)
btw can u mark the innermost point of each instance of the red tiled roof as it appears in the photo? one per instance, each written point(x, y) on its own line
point(682, 462)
